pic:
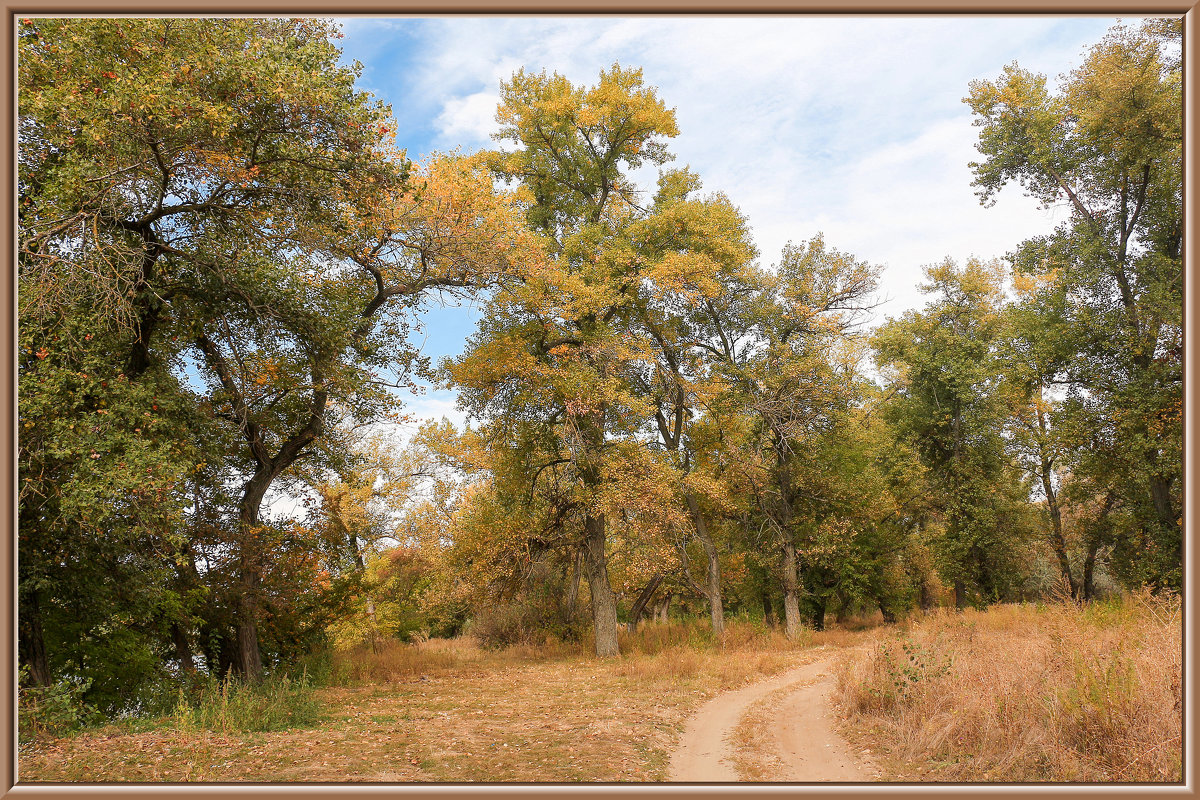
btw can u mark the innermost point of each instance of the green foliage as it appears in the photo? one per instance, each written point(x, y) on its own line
point(1102, 296)
point(951, 406)
point(1097, 697)
point(46, 712)
point(534, 615)
point(222, 255)
point(906, 667)
point(223, 213)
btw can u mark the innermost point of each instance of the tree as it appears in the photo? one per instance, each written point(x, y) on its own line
point(1032, 352)
point(788, 360)
point(701, 252)
point(1109, 145)
point(219, 192)
point(552, 363)
point(950, 402)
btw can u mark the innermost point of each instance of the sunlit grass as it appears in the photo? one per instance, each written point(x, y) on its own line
point(1023, 693)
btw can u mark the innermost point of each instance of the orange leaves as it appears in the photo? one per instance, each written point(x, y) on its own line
point(453, 223)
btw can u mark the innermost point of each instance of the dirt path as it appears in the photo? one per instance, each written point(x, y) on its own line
point(805, 741)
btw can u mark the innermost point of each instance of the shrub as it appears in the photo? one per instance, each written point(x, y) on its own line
point(47, 712)
point(523, 622)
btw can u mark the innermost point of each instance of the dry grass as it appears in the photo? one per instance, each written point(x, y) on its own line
point(450, 711)
point(1026, 694)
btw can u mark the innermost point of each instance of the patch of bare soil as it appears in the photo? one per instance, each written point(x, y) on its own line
point(778, 730)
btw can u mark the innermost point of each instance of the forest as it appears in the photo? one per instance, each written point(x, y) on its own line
point(224, 263)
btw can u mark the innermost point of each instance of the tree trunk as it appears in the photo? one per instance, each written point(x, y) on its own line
point(960, 595)
point(1058, 542)
point(843, 610)
point(251, 551)
point(927, 600)
point(791, 594)
point(643, 598)
point(33, 642)
point(183, 648)
point(572, 599)
point(768, 608)
point(662, 608)
point(1160, 492)
point(1089, 571)
point(1094, 541)
point(604, 603)
point(1164, 505)
point(249, 659)
point(712, 581)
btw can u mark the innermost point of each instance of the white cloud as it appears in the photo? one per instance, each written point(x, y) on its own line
point(470, 118)
point(852, 126)
point(434, 405)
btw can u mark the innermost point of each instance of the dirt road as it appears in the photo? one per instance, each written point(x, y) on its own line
point(805, 742)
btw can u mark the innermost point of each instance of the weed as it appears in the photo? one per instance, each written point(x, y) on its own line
point(274, 703)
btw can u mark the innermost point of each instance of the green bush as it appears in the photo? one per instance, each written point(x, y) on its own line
point(47, 712)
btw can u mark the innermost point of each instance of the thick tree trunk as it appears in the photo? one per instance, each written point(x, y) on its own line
point(791, 594)
point(662, 608)
point(1164, 505)
point(1089, 571)
point(843, 609)
point(33, 641)
point(927, 600)
point(604, 603)
point(960, 595)
point(639, 605)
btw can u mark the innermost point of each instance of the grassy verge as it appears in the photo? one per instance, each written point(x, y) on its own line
point(451, 711)
point(1025, 694)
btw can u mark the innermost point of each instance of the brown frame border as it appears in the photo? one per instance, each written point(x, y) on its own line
point(13, 10)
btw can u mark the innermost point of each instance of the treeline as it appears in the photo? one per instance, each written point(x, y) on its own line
point(222, 258)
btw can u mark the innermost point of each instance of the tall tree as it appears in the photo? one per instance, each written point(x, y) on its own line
point(579, 355)
point(702, 252)
point(950, 402)
point(779, 347)
point(1108, 144)
point(219, 191)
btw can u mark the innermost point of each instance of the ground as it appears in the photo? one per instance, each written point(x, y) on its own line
point(474, 716)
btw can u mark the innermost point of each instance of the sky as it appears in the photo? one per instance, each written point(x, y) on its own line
point(853, 127)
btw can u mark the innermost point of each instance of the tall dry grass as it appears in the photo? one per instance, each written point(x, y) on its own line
point(400, 661)
point(675, 650)
point(1022, 693)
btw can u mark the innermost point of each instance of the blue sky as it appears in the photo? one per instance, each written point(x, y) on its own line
point(850, 126)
